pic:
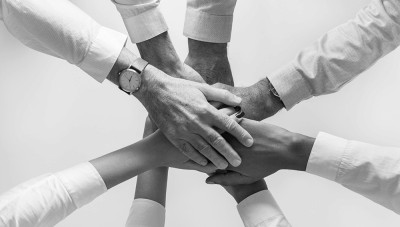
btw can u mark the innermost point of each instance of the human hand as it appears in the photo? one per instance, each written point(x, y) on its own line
point(181, 110)
point(170, 156)
point(258, 102)
point(274, 149)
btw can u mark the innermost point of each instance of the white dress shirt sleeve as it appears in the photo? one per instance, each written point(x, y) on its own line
point(341, 54)
point(61, 29)
point(146, 213)
point(47, 200)
point(143, 19)
point(261, 210)
point(209, 21)
point(369, 170)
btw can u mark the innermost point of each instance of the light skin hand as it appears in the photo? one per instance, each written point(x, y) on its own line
point(150, 153)
point(183, 113)
point(180, 109)
point(258, 102)
point(211, 61)
point(274, 149)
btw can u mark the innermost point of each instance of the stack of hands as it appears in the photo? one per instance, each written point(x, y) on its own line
point(197, 119)
point(237, 154)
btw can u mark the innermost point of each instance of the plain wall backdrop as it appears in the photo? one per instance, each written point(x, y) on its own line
point(53, 116)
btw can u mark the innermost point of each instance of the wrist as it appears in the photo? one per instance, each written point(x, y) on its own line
point(211, 61)
point(241, 192)
point(160, 52)
point(273, 102)
point(200, 49)
point(301, 147)
point(152, 82)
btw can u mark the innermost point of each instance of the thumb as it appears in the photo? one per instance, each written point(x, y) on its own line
point(220, 95)
point(229, 178)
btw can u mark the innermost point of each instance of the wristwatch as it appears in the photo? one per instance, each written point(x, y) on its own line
point(130, 79)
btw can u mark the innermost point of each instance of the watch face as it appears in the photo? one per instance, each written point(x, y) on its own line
point(129, 80)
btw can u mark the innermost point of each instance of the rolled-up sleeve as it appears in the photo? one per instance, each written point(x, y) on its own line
point(146, 213)
point(369, 170)
point(143, 19)
point(209, 21)
point(341, 54)
point(61, 29)
point(47, 200)
point(261, 210)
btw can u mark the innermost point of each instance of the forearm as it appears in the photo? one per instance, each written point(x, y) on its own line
point(123, 164)
point(211, 61)
point(160, 52)
point(152, 185)
point(62, 30)
point(369, 170)
point(341, 54)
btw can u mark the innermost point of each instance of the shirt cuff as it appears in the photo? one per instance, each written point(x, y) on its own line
point(290, 86)
point(143, 26)
point(147, 213)
point(83, 183)
point(258, 208)
point(326, 156)
point(208, 28)
point(103, 53)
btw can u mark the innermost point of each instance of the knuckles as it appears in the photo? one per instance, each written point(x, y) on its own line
point(215, 139)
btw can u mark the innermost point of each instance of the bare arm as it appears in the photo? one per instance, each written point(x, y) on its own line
point(152, 185)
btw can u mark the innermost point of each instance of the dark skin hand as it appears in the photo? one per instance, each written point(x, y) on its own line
point(274, 149)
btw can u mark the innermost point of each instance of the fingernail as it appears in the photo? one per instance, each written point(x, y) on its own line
point(210, 182)
point(237, 108)
point(203, 163)
point(249, 142)
point(222, 165)
point(238, 99)
point(236, 162)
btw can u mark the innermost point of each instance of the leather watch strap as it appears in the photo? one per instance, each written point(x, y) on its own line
point(139, 65)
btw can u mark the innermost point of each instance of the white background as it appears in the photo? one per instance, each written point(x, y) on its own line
point(53, 116)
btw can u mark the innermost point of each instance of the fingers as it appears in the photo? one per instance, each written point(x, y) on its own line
point(205, 149)
point(220, 95)
point(222, 86)
point(218, 142)
point(229, 178)
point(191, 153)
point(208, 169)
point(227, 111)
point(229, 124)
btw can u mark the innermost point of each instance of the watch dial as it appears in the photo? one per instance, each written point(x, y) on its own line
point(129, 80)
